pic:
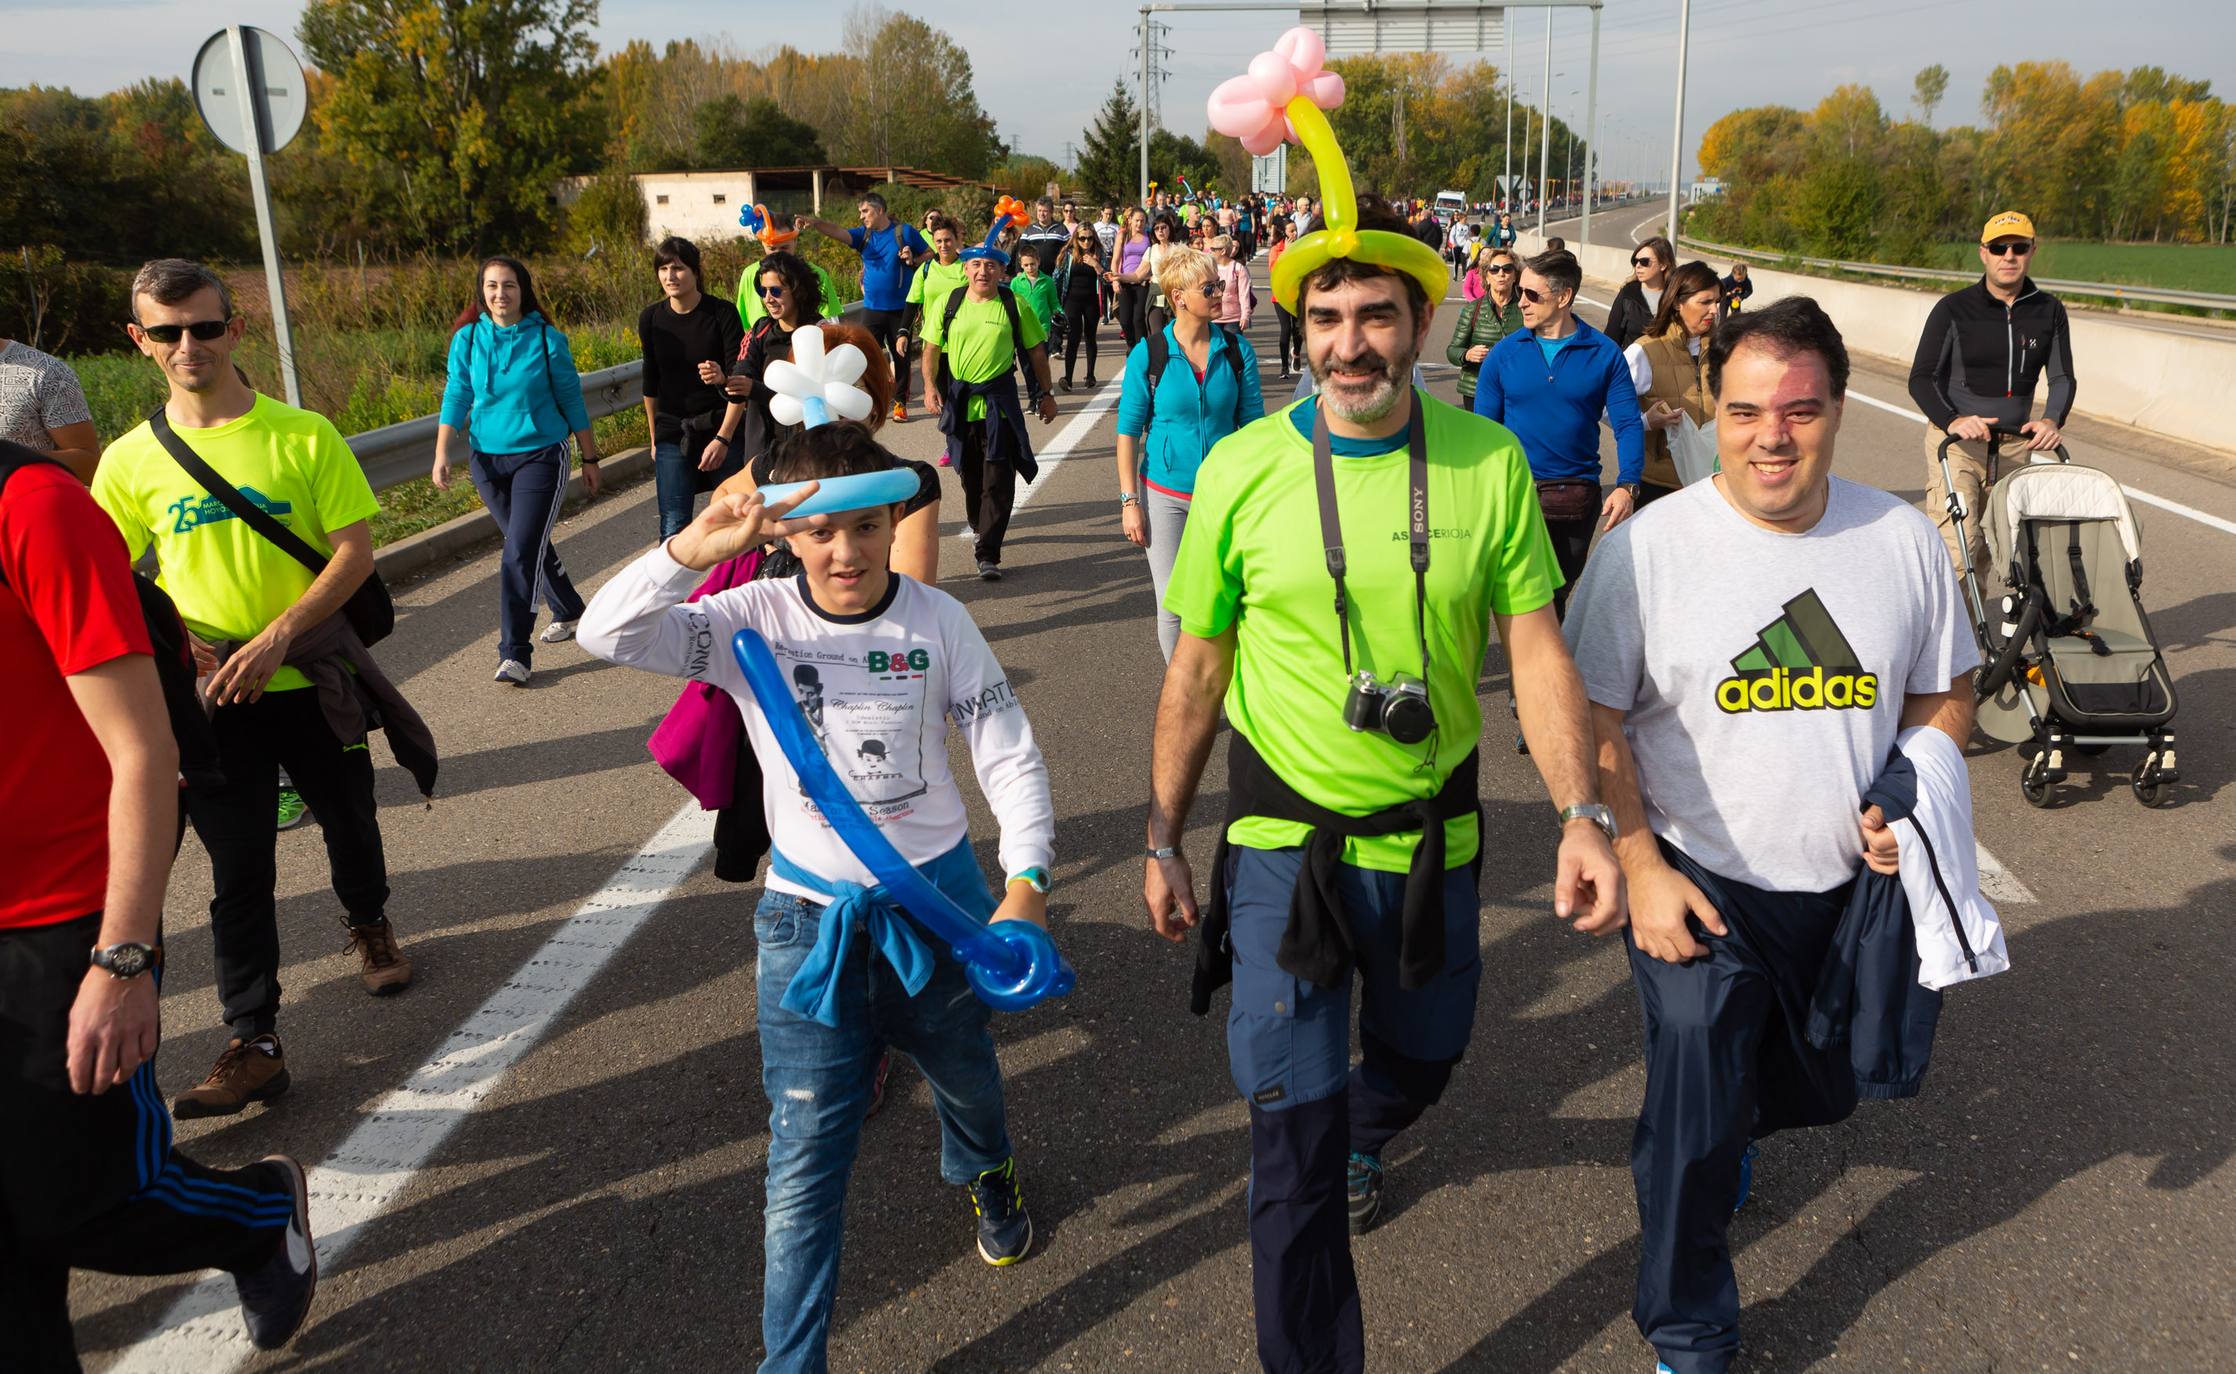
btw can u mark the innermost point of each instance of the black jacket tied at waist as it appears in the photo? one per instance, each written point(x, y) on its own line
point(1006, 438)
point(1317, 944)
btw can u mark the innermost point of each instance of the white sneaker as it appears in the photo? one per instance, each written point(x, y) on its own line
point(558, 632)
point(512, 670)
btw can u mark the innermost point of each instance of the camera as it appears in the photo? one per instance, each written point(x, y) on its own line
point(1399, 708)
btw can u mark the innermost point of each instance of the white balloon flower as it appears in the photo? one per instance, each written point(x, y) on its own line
point(815, 386)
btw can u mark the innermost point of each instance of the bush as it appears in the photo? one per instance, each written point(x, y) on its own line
point(60, 306)
point(608, 215)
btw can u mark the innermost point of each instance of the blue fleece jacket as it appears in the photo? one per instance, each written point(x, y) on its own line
point(518, 384)
point(1554, 407)
point(1191, 416)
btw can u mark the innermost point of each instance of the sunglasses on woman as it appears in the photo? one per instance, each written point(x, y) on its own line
point(205, 330)
point(770, 292)
point(1503, 268)
point(1643, 261)
point(1209, 290)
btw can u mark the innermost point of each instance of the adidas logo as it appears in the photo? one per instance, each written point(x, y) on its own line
point(1800, 662)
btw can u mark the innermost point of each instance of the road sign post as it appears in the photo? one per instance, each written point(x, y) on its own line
point(249, 89)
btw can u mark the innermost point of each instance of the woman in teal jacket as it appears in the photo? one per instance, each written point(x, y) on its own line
point(514, 375)
point(1207, 389)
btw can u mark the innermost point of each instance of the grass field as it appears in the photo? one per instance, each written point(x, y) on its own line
point(2174, 266)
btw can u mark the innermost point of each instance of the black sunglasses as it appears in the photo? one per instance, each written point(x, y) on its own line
point(2006, 249)
point(1209, 290)
point(205, 330)
point(1646, 261)
point(1534, 296)
point(1504, 267)
point(772, 291)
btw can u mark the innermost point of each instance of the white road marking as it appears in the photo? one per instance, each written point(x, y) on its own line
point(202, 1332)
point(1997, 883)
point(1070, 437)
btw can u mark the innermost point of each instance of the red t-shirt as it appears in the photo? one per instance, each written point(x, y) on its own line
point(66, 604)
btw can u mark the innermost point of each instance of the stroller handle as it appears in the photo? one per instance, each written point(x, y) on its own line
point(1996, 435)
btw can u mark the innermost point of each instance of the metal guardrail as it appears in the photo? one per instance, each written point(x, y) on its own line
point(2106, 290)
point(397, 453)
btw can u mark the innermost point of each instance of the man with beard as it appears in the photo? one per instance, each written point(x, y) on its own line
point(1335, 586)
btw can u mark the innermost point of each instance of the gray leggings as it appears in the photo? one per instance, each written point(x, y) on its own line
point(1168, 516)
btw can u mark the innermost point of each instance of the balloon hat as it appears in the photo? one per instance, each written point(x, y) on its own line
point(813, 388)
point(755, 221)
point(1285, 95)
point(1007, 211)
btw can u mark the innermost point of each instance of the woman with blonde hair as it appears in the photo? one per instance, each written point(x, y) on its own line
point(1669, 369)
point(1187, 386)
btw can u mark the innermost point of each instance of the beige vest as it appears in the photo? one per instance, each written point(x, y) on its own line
point(1681, 380)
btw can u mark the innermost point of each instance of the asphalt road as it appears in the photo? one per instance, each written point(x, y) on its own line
point(2059, 1198)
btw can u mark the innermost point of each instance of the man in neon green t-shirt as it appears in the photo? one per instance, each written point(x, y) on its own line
point(251, 602)
point(975, 341)
point(1353, 830)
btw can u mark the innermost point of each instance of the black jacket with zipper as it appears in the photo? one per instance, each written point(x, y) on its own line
point(1979, 356)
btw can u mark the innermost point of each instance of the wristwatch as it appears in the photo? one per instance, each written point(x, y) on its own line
point(1035, 878)
point(127, 961)
point(1162, 852)
point(1127, 498)
point(1598, 815)
point(1631, 487)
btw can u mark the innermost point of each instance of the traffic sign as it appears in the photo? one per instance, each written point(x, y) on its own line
point(1269, 175)
point(249, 88)
point(275, 88)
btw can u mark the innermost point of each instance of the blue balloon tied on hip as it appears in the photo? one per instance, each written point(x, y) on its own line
point(1011, 965)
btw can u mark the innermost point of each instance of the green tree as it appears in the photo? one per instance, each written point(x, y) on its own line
point(1110, 149)
point(730, 132)
point(467, 112)
point(1926, 92)
point(915, 104)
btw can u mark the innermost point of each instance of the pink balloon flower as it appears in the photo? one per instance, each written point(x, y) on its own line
point(1250, 107)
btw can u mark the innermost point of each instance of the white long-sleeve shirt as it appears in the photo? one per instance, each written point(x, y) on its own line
point(882, 686)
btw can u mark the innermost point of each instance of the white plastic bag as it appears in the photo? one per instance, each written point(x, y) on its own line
point(1693, 448)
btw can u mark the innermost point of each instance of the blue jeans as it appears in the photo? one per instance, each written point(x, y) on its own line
point(1289, 1050)
point(818, 1084)
point(674, 485)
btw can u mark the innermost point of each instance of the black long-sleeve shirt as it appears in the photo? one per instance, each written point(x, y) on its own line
point(674, 346)
point(1979, 356)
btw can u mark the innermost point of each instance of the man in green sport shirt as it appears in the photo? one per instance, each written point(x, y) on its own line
point(1328, 868)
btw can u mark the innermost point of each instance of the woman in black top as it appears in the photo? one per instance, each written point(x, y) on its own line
point(792, 297)
point(1079, 287)
point(688, 339)
point(1634, 306)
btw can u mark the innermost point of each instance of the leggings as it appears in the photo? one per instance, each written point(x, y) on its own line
point(1082, 321)
point(1168, 516)
point(1292, 341)
point(1133, 312)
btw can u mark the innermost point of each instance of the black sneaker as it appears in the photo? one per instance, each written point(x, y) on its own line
point(1005, 1228)
point(1364, 1180)
point(276, 1297)
point(989, 572)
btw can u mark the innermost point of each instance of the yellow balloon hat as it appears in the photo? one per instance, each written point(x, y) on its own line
point(1285, 95)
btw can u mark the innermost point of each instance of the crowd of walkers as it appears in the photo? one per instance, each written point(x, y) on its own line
point(1348, 866)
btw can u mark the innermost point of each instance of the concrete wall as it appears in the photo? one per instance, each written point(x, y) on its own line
point(2174, 385)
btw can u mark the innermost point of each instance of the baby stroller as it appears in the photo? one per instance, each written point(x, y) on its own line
point(2070, 663)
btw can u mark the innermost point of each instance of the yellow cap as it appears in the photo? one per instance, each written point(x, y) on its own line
point(2009, 224)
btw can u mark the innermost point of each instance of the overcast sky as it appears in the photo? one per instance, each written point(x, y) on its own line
point(1044, 87)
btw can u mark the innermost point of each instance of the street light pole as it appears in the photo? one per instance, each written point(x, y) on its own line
point(1506, 27)
point(1591, 129)
point(1677, 125)
point(1545, 124)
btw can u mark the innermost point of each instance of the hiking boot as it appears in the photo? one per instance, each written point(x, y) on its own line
point(292, 812)
point(1005, 1228)
point(878, 1077)
point(1363, 1180)
point(251, 1070)
point(381, 965)
point(276, 1296)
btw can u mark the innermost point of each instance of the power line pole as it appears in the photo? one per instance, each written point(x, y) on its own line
point(1506, 28)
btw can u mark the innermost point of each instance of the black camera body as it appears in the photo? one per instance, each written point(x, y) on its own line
point(1398, 708)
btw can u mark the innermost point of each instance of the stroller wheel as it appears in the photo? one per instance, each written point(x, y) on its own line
point(2037, 793)
point(2149, 790)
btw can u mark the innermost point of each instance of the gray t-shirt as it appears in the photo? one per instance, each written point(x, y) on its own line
point(38, 393)
point(1763, 673)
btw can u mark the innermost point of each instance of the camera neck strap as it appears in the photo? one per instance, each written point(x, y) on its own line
point(1417, 516)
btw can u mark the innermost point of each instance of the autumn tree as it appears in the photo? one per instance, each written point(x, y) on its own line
point(465, 112)
point(1926, 92)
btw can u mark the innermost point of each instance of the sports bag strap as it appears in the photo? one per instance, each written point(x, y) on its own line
point(286, 540)
point(1158, 356)
point(1232, 338)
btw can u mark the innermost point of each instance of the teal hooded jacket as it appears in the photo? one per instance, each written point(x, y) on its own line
point(517, 383)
